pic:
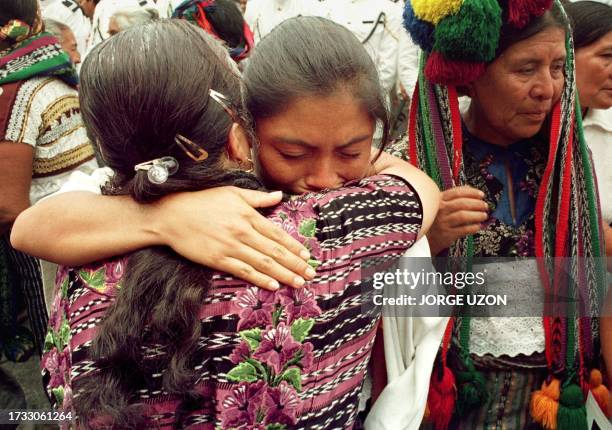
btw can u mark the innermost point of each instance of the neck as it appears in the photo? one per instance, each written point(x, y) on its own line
point(481, 130)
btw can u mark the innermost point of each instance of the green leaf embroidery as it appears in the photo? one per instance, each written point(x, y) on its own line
point(276, 426)
point(300, 329)
point(252, 337)
point(243, 372)
point(58, 393)
point(314, 263)
point(65, 287)
point(64, 335)
point(49, 341)
point(276, 315)
point(94, 280)
point(283, 216)
point(308, 227)
point(294, 377)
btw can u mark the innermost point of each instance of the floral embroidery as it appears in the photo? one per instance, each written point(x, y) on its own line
point(273, 351)
point(56, 359)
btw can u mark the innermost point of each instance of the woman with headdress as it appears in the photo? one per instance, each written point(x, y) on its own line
point(518, 182)
point(147, 339)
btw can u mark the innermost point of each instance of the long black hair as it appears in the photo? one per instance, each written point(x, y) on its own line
point(138, 92)
point(590, 21)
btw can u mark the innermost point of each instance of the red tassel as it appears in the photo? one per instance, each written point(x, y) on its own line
point(439, 70)
point(441, 399)
point(520, 12)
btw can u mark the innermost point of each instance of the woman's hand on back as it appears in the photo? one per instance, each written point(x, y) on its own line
point(220, 228)
point(462, 211)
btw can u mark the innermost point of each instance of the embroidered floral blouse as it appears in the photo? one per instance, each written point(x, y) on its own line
point(295, 358)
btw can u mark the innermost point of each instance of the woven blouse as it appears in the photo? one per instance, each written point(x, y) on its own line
point(290, 359)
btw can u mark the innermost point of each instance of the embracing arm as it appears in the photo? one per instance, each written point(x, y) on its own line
point(76, 228)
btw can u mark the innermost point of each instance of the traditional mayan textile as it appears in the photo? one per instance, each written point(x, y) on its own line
point(567, 215)
point(40, 55)
point(374, 219)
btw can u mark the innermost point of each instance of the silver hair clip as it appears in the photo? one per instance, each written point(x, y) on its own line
point(223, 101)
point(159, 170)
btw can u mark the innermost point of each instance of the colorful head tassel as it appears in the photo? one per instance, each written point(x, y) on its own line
point(599, 390)
point(435, 10)
point(439, 70)
point(441, 399)
point(520, 12)
point(420, 31)
point(544, 405)
point(472, 34)
point(572, 412)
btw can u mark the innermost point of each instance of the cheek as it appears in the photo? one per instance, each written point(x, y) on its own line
point(558, 88)
point(277, 169)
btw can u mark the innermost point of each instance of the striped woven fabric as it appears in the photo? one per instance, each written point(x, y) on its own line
point(289, 359)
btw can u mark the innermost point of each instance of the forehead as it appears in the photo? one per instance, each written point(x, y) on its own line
point(548, 44)
point(68, 35)
point(604, 42)
point(334, 118)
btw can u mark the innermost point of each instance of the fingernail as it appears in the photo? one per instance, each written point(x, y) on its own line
point(310, 273)
point(273, 285)
point(305, 254)
point(298, 281)
point(482, 194)
point(277, 193)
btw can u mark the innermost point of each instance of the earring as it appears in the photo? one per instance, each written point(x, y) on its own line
point(250, 170)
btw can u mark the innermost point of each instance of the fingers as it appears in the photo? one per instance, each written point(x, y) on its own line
point(284, 249)
point(247, 273)
point(269, 267)
point(462, 218)
point(259, 199)
point(463, 203)
point(462, 192)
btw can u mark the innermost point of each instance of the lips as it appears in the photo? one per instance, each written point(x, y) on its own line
point(536, 115)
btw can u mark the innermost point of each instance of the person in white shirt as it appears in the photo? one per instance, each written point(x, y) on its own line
point(103, 12)
point(263, 15)
point(69, 12)
point(377, 25)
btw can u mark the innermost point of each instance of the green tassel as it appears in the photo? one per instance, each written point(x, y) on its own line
point(472, 34)
point(471, 387)
point(572, 412)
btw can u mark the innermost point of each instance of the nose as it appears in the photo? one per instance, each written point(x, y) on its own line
point(322, 176)
point(76, 58)
point(544, 88)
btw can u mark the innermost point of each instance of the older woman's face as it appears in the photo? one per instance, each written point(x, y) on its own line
point(315, 143)
point(512, 99)
point(594, 73)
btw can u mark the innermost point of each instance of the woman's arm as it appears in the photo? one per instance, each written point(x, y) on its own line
point(218, 228)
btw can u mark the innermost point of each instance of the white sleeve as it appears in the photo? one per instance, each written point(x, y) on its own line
point(408, 62)
point(79, 181)
point(411, 346)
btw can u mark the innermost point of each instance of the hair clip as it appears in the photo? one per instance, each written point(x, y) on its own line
point(159, 170)
point(192, 149)
point(223, 101)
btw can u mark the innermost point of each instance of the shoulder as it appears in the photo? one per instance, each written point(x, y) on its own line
point(598, 118)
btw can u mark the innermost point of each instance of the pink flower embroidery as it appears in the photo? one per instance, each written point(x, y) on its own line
point(277, 347)
point(240, 353)
point(57, 364)
point(114, 273)
point(242, 405)
point(282, 404)
point(256, 307)
point(299, 303)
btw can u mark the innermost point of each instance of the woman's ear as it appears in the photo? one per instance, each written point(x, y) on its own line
point(239, 145)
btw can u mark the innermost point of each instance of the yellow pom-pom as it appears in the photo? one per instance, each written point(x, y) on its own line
point(544, 404)
point(435, 10)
